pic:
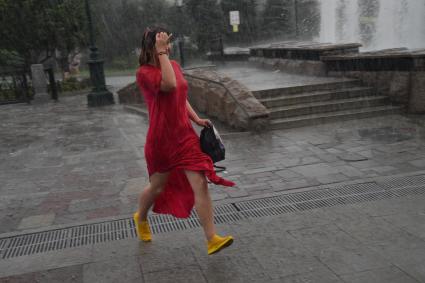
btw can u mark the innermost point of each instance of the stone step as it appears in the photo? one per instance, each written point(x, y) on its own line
point(327, 106)
point(315, 119)
point(270, 93)
point(308, 97)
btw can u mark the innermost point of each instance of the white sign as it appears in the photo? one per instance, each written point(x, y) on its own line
point(234, 18)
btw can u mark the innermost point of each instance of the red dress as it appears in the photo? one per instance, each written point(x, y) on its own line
point(172, 144)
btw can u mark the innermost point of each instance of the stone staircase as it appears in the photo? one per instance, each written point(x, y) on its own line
point(312, 104)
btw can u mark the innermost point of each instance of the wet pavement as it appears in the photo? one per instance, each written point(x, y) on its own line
point(256, 78)
point(63, 163)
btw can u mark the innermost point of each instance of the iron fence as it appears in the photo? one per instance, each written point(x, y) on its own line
point(14, 86)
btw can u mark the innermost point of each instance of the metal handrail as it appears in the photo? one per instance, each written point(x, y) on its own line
point(227, 91)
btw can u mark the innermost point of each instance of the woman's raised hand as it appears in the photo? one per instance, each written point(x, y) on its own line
point(162, 40)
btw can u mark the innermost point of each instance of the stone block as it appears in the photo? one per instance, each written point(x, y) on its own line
point(236, 106)
point(386, 274)
point(383, 82)
point(370, 78)
point(122, 269)
point(188, 274)
point(417, 96)
point(400, 87)
point(36, 221)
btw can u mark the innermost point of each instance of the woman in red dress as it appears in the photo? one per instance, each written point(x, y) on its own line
point(177, 167)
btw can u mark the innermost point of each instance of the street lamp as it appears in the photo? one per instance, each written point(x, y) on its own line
point(179, 4)
point(99, 95)
point(296, 18)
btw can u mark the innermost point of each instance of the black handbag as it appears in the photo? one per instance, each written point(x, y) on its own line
point(212, 145)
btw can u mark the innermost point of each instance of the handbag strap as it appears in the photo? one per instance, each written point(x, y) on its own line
point(220, 168)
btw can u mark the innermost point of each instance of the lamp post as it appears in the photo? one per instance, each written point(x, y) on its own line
point(296, 18)
point(179, 4)
point(99, 95)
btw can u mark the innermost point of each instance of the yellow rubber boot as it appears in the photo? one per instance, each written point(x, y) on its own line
point(142, 228)
point(218, 243)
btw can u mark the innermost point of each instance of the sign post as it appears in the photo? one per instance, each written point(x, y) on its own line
point(234, 20)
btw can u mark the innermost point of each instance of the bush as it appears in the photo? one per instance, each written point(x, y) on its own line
point(73, 84)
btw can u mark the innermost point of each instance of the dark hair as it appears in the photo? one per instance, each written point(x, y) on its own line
point(148, 44)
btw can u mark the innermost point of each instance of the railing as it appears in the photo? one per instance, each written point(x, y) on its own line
point(14, 86)
point(226, 89)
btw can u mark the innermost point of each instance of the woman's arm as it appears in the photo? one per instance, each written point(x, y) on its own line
point(168, 81)
point(195, 118)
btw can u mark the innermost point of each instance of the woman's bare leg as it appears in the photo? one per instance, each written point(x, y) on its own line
point(203, 203)
point(151, 191)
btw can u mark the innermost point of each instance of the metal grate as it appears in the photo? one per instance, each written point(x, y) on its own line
point(89, 234)
point(409, 181)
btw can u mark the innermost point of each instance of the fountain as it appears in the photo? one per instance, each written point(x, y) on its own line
point(390, 24)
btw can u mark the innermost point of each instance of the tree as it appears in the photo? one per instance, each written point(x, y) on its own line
point(277, 18)
point(37, 28)
point(120, 26)
point(207, 22)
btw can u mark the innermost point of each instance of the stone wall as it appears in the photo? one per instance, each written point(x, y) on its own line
point(225, 99)
point(130, 95)
point(399, 74)
point(305, 67)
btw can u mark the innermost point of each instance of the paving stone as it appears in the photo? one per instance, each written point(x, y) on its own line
point(403, 249)
point(315, 170)
point(369, 230)
point(119, 269)
point(383, 169)
point(420, 163)
point(390, 274)
point(189, 274)
point(321, 276)
point(349, 171)
point(296, 184)
point(46, 261)
point(280, 255)
point(236, 192)
point(164, 259)
point(334, 151)
point(327, 157)
point(225, 267)
point(413, 223)
point(218, 196)
point(344, 260)
point(365, 164)
point(134, 186)
point(332, 178)
point(321, 237)
point(260, 170)
point(351, 157)
point(70, 274)
point(287, 174)
point(416, 271)
point(36, 221)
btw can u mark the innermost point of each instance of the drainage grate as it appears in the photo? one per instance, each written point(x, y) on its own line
point(409, 181)
point(66, 238)
point(363, 188)
point(410, 191)
point(89, 234)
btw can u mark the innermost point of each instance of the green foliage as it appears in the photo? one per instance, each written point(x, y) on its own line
point(277, 18)
point(120, 25)
point(73, 84)
point(36, 28)
point(207, 21)
point(10, 58)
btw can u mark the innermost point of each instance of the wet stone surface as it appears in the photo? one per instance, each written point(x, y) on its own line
point(62, 162)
